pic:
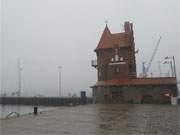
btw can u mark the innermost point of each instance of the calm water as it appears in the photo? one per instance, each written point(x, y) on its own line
point(5, 110)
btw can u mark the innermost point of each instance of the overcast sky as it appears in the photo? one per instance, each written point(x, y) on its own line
point(44, 34)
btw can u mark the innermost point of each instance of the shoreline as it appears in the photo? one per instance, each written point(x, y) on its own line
point(23, 111)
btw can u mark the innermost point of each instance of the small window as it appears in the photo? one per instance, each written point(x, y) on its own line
point(116, 70)
point(112, 59)
point(121, 59)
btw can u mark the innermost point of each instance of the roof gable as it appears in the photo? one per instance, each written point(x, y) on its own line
point(105, 40)
point(109, 40)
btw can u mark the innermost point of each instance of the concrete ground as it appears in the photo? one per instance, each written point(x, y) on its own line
point(109, 119)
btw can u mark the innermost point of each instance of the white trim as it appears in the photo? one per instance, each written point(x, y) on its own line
point(117, 63)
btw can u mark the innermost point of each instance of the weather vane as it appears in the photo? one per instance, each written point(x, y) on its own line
point(106, 22)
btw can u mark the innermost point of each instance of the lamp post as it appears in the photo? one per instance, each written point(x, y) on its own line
point(174, 64)
point(19, 77)
point(2, 46)
point(59, 67)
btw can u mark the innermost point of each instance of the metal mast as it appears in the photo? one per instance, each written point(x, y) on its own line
point(19, 77)
point(2, 44)
point(59, 67)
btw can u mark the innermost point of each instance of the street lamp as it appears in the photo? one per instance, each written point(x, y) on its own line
point(19, 77)
point(170, 62)
point(174, 64)
point(59, 67)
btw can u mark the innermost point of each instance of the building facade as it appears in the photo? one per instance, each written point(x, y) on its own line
point(116, 72)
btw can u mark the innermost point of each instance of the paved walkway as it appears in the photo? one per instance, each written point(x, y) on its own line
point(98, 120)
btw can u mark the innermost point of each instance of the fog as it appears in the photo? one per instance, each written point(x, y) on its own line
point(45, 34)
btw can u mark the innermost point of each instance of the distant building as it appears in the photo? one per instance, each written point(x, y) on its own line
point(117, 77)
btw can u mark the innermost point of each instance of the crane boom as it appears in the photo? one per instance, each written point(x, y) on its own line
point(153, 55)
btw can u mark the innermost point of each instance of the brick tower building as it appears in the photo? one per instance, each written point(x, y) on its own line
point(116, 71)
point(115, 54)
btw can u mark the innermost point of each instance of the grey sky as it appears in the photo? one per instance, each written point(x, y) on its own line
point(48, 33)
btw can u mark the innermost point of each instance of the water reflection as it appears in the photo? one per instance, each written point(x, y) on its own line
point(137, 119)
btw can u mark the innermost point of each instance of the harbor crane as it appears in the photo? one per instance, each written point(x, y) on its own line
point(145, 69)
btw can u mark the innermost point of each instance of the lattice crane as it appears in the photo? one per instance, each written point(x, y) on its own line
point(146, 69)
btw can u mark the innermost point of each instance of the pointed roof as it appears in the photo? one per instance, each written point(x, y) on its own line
point(109, 40)
point(105, 39)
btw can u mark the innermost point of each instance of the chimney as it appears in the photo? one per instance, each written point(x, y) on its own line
point(128, 27)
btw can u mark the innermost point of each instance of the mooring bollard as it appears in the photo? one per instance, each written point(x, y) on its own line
point(83, 97)
point(35, 110)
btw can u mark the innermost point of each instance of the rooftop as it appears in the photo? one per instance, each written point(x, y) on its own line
point(138, 81)
point(110, 40)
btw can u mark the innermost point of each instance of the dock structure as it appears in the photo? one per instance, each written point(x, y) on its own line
point(45, 101)
point(97, 119)
point(117, 76)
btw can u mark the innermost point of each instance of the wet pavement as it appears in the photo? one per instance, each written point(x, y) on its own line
point(109, 119)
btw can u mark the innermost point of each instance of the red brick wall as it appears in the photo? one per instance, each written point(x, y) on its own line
point(106, 71)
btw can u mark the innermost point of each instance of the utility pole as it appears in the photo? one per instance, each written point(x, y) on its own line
point(2, 47)
point(59, 67)
point(19, 77)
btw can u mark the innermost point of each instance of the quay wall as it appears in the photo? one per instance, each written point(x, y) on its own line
point(45, 101)
point(150, 94)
